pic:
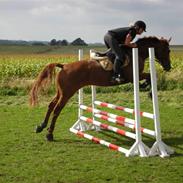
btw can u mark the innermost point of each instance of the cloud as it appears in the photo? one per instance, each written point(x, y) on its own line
point(89, 19)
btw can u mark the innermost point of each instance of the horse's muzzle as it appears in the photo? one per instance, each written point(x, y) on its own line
point(167, 68)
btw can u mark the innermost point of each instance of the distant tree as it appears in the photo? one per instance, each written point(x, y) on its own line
point(53, 42)
point(59, 42)
point(79, 41)
point(64, 42)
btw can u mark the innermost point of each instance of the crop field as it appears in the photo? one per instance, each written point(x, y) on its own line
point(23, 67)
point(28, 158)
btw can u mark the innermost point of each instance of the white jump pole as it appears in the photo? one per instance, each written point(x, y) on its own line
point(80, 113)
point(79, 124)
point(159, 146)
point(93, 90)
point(139, 147)
point(136, 94)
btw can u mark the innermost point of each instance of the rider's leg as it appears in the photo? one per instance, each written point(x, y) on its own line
point(117, 71)
point(119, 62)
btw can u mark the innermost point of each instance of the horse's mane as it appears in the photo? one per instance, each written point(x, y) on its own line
point(150, 39)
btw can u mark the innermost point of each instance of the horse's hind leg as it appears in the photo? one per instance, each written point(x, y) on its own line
point(59, 106)
point(51, 106)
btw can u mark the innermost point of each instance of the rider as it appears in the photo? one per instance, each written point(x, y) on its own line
point(122, 36)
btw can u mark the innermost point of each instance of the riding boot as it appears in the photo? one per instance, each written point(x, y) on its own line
point(117, 70)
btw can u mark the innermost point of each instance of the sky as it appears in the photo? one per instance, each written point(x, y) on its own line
point(88, 19)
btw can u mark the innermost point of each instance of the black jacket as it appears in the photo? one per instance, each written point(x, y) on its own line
point(120, 33)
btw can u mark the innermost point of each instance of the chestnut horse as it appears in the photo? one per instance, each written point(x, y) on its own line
point(76, 75)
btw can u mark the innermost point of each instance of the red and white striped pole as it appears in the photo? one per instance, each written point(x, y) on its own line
point(99, 141)
point(125, 109)
point(108, 127)
point(119, 120)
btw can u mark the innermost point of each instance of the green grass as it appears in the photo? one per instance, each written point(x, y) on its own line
point(28, 157)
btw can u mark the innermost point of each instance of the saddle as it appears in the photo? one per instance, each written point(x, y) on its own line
point(103, 59)
point(106, 59)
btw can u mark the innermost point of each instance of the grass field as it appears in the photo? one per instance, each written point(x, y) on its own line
point(28, 158)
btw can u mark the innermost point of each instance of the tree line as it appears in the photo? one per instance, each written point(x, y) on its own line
point(64, 42)
point(53, 42)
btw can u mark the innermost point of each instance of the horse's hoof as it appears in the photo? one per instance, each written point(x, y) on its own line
point(49, 137)
point(38, 129)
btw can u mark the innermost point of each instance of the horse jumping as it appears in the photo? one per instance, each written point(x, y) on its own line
point(76, 75)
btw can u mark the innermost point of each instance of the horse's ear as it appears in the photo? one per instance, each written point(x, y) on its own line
point(170, 39)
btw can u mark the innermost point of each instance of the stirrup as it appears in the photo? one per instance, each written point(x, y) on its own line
point(117, 79)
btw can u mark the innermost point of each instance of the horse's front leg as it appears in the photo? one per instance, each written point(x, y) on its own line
point(147, 82)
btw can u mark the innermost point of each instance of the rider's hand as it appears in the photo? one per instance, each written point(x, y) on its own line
point(128, 39)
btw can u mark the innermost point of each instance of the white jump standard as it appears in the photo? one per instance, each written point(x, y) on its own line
point(159, 146)
point(138, 148)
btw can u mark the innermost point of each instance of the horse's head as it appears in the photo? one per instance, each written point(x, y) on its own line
point(162, 53)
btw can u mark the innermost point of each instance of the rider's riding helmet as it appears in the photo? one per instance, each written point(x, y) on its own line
point(140, 24)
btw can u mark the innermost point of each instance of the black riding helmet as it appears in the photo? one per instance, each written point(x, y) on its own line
point(140, 24)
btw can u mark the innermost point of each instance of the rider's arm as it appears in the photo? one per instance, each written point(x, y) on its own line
point(128, 41)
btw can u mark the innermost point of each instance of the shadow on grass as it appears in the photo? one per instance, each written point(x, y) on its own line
point(175, 142)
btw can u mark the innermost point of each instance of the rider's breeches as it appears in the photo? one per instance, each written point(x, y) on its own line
point(112, 43)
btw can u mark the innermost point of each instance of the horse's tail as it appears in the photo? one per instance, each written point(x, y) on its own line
point(44, 79)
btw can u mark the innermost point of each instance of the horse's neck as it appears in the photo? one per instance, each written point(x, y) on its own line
point(145, 45)
point(143, 52)
point(144, 49)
